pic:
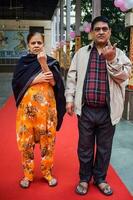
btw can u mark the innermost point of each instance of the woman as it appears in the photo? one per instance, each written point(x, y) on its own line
point(39, 94)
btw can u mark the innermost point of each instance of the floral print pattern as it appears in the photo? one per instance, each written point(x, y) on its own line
point(36, 123)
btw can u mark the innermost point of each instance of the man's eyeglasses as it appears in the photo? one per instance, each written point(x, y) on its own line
point(37, 42)
point(104, 29)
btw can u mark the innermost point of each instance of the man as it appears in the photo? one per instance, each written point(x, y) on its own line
point(95, 90)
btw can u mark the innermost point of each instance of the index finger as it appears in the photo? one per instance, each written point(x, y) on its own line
point(114, 45)
point(43, 50)
point(109, 43)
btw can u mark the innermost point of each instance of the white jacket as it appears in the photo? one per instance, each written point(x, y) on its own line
point(119, 71)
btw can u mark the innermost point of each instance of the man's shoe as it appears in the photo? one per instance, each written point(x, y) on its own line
point(82, 188)
point(104, 188)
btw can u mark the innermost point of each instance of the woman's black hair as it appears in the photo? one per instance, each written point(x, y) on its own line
point(31, 34)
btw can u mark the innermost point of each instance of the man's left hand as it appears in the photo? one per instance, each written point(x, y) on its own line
point(109, 52)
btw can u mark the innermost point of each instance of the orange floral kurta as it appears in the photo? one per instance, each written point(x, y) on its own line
point(36, 123)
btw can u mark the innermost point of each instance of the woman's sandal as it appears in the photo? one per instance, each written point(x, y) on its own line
point(104, 188)
point(82, 188)
point(53, 182)
point(25, 183)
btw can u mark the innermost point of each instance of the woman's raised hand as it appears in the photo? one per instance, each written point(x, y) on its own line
point(42, 59)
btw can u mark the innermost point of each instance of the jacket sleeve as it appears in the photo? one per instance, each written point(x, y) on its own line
point(120, 68)
point(71, 80)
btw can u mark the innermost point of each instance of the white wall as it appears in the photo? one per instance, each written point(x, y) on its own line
point(24, 25)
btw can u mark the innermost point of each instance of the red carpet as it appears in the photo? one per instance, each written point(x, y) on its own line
point(65, 166)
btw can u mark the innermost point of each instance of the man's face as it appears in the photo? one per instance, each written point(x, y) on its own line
point(101, 33)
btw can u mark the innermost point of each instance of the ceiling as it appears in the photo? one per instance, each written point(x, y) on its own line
point(27, 9)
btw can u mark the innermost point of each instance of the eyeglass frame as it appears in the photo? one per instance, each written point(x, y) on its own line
point(104, 29)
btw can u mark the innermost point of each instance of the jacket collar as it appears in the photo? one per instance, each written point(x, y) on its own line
point(90, 46)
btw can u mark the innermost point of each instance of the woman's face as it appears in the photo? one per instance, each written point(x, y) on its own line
point(36, 44)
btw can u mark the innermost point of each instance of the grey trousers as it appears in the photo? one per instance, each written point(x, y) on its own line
point(95, 143)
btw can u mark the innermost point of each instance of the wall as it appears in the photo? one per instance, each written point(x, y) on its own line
point(24, 25)
point(11, 27)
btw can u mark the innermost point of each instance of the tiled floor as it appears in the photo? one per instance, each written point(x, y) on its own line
point(5, 87)
point(122, 152)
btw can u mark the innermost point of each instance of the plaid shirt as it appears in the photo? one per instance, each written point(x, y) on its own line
point(96, 80)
